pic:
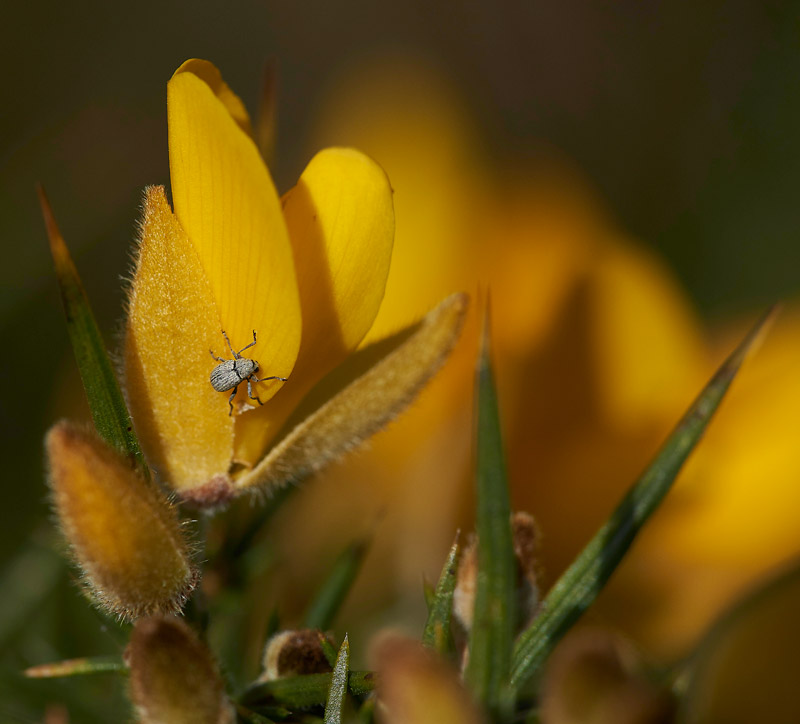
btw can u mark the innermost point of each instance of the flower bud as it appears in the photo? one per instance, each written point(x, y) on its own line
point(525, 538)
point(294, 652)
point(593, 677)
point(174, 679)
point(123, 533)
point(417, 687)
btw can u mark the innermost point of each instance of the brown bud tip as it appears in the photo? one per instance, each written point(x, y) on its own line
point(289, 653)
point(122, 531)
point(174, 679)
point(594, 676)
point(525, 538)
point(464, 593)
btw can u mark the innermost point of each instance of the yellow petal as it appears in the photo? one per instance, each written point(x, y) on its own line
point(648, 349)
point(210, 74)
point(408, 117)
point(123, 532)
point(367, 404)
point(182, 422)
point(174, 679)
point(341, 223)
point(227, 204)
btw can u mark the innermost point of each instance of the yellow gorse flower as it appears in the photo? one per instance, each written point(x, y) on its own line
point(305, 272)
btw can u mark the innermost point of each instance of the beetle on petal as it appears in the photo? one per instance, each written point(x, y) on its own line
point(230, 373)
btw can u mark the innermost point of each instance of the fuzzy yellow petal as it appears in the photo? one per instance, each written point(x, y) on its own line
point(341, 224)
point(366, 404)
point(182, 422)
point(122, 531)
point(226, 202)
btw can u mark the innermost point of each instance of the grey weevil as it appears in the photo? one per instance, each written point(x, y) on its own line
point(230, 373)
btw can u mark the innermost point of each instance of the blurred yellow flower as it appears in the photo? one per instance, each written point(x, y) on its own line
point(302, 276)
point(598, 354)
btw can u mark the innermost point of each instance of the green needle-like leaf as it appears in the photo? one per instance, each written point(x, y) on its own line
point(578, 587)
point(109, 412)
point(437, 634)
point(491, 636)
point(335, 703)
point(331, 595)
point(306, 690)
point(77, 667)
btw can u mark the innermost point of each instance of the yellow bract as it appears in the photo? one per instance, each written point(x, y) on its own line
point(182, 422)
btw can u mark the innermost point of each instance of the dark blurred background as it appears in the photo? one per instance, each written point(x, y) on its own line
point(683, 116)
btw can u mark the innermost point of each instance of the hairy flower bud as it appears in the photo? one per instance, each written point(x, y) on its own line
point(174, 679)
point(293, 652)
point(123, 533)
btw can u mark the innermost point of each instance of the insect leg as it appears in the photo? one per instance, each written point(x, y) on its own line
point(230, 346)
point(250, 390)
point(249, 345)
point(219, 359)
point(274, 377)
point(230, 400)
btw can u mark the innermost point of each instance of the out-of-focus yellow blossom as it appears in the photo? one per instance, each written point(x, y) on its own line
point(598, 354)
point(305, 273)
